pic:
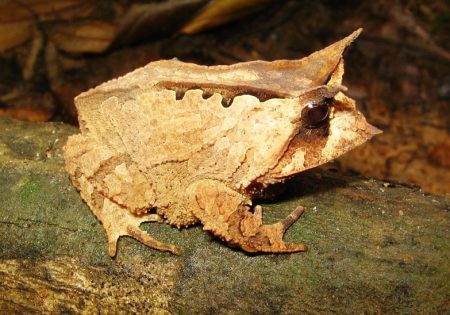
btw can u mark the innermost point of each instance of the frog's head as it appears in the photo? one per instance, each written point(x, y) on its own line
point(325, 122)
point(329, 125)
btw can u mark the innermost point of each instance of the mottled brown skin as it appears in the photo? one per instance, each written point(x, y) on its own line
point(158, 145)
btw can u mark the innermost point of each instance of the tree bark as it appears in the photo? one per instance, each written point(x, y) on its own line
point(374, 247)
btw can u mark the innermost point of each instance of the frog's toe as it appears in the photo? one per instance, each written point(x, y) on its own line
point(112, 243)
point(292, 218)
point(145, 238)
point(269, 237)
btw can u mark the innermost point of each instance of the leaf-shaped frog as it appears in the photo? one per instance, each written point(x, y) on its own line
point(183, 143)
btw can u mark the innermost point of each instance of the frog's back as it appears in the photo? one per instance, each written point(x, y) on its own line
point(144, 115)
point(150, 124)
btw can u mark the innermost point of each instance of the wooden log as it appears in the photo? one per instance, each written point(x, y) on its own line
point(374, 247)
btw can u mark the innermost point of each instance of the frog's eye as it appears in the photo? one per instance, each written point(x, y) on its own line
point(314, 114)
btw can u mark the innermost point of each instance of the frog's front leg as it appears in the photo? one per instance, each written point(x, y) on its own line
point(120, 222)
point(115, 190)
point(225, 213)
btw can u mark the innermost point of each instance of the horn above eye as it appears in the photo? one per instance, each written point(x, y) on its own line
point(314, 114)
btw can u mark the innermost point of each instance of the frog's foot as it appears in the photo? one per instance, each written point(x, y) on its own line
point(269, 237)
point(120, 222)
point(224, 212)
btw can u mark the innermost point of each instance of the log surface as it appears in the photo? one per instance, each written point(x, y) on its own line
point(374, 247)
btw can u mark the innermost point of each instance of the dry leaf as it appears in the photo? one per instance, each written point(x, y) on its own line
point(440, 155)
point(44, 10)
point(88, 37)
point(14, 34)
point(219, 12)
point(144, 21)
point(27, 113)
point(17, 18)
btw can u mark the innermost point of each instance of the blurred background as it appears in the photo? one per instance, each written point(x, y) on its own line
point(398, 70)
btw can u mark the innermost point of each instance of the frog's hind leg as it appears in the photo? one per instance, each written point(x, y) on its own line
point(116, 191)
point(224, 212)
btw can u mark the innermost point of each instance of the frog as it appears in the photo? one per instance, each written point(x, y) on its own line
point(186, 144)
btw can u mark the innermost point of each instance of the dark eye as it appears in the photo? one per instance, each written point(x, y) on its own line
point(313, 115)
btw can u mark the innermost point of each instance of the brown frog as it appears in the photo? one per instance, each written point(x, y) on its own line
point(181, 143)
